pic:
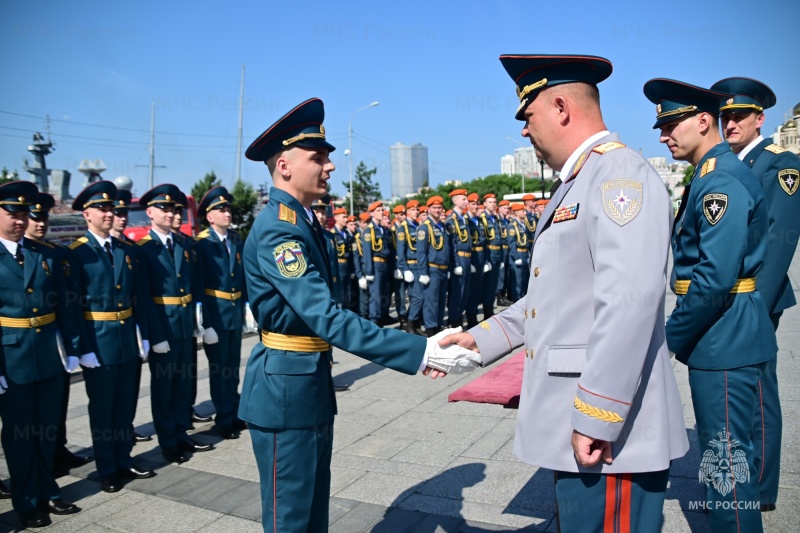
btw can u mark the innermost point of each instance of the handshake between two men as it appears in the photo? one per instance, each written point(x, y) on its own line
point(451, 351)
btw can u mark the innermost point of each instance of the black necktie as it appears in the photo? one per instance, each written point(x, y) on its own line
point(19, 256)
point(169, 246)
point(107, 246)
point(225, 247)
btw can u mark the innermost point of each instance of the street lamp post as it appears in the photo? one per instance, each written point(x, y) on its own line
point(523, 175)
point(541, 165)
point(350, 147)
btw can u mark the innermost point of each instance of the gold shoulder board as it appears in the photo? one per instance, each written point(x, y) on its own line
point(79, 242)
point(45, 243)
point(708, 166)
point(287, 215)
point(203, 234)
point(774, 148)
point(607, 147)
point(145, 239)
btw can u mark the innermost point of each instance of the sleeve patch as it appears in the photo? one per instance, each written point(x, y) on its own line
point(401, 235)
point(789, 179)
point(290, 259)
point(421, 235)
point(714, 207)
point(622, 199)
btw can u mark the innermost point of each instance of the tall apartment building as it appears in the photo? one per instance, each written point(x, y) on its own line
point(507, 165)
point(409, 168)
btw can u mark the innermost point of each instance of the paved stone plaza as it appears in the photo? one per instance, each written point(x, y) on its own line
point(404, 460)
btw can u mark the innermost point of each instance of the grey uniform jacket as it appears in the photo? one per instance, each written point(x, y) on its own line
point(592, 322)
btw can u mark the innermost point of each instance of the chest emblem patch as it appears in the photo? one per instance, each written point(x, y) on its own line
point(789, 179)
point(622, 199)
point(290, 259)
point(714, 207)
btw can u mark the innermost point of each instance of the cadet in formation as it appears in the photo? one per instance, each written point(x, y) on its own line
point(377, 248)
point(478, 263)
point(459, 287)
point(778, 170)
point(35, 308)
point(599, 403)
point(105, 273)
point(345, 250)
point(720, 327)
point(398, 282)
point(170, 263)
point(224, 297)
point(288, 399)
point(358, 265)
point(407, 263)
point(518, 253)
point(434, 263)
point(494, 253)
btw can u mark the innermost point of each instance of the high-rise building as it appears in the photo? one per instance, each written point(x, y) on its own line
point(409, 168)
point(507, 165)
point(526, 162)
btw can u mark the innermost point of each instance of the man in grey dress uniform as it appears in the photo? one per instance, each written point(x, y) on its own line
point(599, 403)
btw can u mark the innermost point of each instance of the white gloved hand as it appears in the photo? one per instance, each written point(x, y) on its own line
point(472, 269)
point(210, 336)
point(89, 360)
point(424, 280)
point(198, 320)
point(487, 267)
point(448, 275)
point(161, 347)
point(408, 276)
point(458, 271)
point(3, 385)
point(518, 262)
point(72, 363)
point(62, 349)
point(452, 359)
point(370, 278)
point(362, 282)
point(249, 320)
point(502, 265)
point(398, 274)
point(145, 349)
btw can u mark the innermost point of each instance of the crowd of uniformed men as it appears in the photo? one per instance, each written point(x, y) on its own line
point(428, 261)
point(109, 304)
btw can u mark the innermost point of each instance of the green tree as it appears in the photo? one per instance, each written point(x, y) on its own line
point(687, 174)
point(244, 203)
point(6, 176)
point(208, 182)
point(365, 191)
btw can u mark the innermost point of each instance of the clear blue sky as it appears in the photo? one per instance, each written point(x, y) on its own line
point(432, 65)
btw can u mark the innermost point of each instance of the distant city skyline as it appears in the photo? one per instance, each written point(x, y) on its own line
point(409, 168)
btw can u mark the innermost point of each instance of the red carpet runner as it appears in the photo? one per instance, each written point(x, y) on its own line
point(501, 385)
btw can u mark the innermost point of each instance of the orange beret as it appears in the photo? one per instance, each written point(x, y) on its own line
point(412, 203)
point(435, 200)
point(527, 197)
point(375, 205)
point(351, 218)
point(340, 211)
point(423, 209)
point(473, 197)
point(399, 209)
point(456, 192)
point(489, 195)
point(517, 207)
point(540, 202)
point(503, 202)
point(448, 212)
point(364, 216)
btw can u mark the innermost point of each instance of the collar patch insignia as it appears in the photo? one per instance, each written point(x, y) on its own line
point(568, 212)
point(622, 199)
point(714, 207)
point(290, 259)
point(789, 179)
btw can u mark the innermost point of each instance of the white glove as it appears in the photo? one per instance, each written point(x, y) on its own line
point(3, 385)
point(408, 276)
point(424, 280)
point(487, 267)
point(198, 317)
point(72, 363)
point(362, 282)
point(161, 347)
point(370, 278)
point(453, 359)
point(62, 350)
point(89, 360)
point(448, 275)
point(458, 271)
point(210, 336)
point(145, 349)
point(472, 269)
point(518, 262)
point(502, 265)
point(398, 274)
point(249, 320)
